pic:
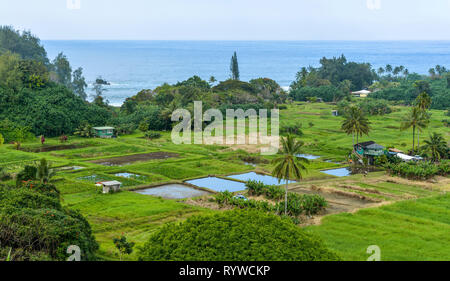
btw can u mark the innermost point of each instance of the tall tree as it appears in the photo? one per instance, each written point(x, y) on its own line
point(79, 83)
point(423, 102)
point(415, 119)
point(355, 123)
point(388, 68)
point(234, 67)
point(406, 73)
point(25, 44)
point(212, 80)
point(288, 164)
point(98, 88)
point(62, 70)
point(380, 71)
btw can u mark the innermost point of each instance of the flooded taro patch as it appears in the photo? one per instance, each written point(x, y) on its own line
point(218, 184)
point(348, 171)
point(341, 172)
point(70, 168)
point(94, 178)
point(129, 159)
point(173, 191)
point(131, 176)
point(266, 179)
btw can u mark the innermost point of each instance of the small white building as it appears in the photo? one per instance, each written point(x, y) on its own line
point(110, 186)
point(361, 94)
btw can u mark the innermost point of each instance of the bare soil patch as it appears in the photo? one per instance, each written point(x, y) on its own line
point(338, 201)
point(124, 160)
point(54, 148)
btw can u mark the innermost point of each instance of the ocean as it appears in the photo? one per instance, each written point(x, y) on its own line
point(131, 66)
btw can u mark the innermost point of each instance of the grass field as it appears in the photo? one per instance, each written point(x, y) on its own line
point(412, 230)
point(406, 230)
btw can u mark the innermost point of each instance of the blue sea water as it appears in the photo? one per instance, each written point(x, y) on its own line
point(131, 66)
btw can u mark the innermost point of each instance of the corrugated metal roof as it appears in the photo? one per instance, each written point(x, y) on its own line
point(103, 128)
point(109, 183)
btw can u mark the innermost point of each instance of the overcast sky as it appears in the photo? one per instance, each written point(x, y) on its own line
point(231, 19)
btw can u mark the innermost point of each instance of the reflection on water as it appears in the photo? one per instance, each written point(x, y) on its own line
point(347, 171)
point(218, 184)
point(173, 191)
point(308, 156)
point(268, 180)
point(131, 176)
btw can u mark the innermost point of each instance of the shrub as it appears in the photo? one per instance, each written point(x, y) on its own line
point(292, 129)
point(152, 135)
point(297, 204)
point(4, 175)
point(28, 173)
point(418, 171)
point(303, 204)
point(36, 226)
point(255, 187)
point(236, 235)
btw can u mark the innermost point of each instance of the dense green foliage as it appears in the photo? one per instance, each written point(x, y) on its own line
point(419, 171)
point(368, 105)
point(342, 74)
point(328, 93)
point(234, 236)
point(41, 95)
point(409, 89)
point(227, 198)
point(36, 227)
point(23, 43)
point(297, 204)
point(49, 111)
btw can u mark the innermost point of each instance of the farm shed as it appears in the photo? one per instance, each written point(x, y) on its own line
point(369, 149)
point(110, 186)
point(104, 132)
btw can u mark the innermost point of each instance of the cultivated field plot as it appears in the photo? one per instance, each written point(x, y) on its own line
point(407, 230)
point(394, 213)
point(129, 159)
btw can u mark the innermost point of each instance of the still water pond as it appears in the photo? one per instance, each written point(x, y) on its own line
point(267, 180)
point(218, 184)
point(173, 191)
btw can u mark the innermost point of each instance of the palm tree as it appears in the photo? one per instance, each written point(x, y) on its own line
point(380, 71)
point(437, 146)
point(388, 68)
point(415, 119)
point(423, 102)
point(355, 123)
point(406, 73)
point(44, 173)
point(289, 164)
point(432, 72)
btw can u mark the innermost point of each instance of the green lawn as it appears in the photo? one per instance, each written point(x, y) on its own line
point(412, 230)
point(129, 213)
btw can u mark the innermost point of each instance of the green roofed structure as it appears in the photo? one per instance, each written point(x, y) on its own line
point(104, 132)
